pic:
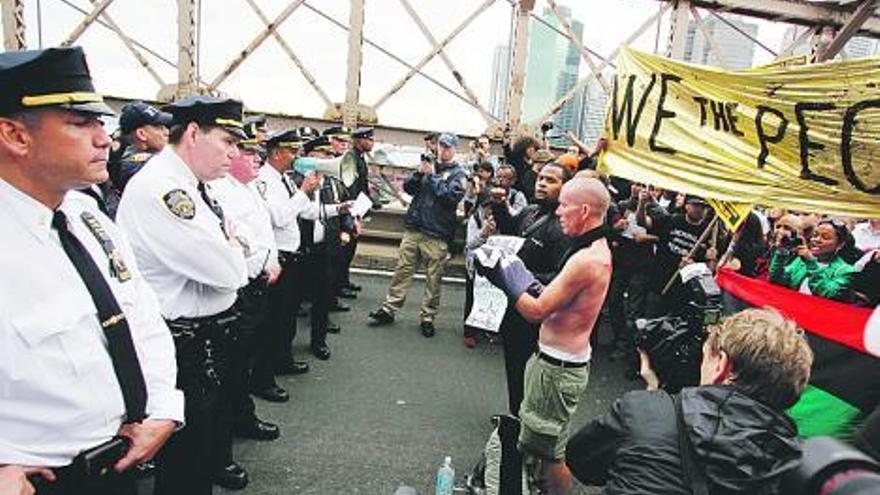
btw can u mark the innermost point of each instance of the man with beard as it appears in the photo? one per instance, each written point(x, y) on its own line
point(542, 253)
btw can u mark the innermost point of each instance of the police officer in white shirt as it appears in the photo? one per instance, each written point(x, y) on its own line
point(85, 357)
point(244, 206)
point(191, 256)
point(286, 203)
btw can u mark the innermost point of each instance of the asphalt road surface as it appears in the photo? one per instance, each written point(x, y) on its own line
point(390, 404)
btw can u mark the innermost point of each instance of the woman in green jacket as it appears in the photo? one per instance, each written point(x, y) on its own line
point(814, 267)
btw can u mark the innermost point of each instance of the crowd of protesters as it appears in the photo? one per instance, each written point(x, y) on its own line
point(207, 225)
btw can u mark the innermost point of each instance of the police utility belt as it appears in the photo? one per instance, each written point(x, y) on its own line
point(205, 327)
point(90, 466)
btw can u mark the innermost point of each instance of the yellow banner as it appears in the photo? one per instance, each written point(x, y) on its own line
point(803, 137)
point(732, 214)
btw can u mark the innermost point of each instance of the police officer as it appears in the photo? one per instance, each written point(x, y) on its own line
point(194, 261)
point(145, 129)
point(340, 139)
point(285, 202)
point(84, 353)
point(337, 230)
point(255, 126)
point(353, 173)
point(244, 206)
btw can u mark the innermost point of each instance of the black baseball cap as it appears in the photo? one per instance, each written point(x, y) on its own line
point(137, 114)
point(50, 78)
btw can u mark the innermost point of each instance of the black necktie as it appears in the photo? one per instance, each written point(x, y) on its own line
point(215, 206)
point(286, 181)
point(113, 322)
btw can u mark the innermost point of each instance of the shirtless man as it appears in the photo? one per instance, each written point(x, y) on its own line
point(568, 307)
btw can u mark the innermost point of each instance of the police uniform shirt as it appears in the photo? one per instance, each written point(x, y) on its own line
point(178, 240)
point(253, 225)
point(59, 394)
point(284, 208)
point(318, 211)
point(131, 163)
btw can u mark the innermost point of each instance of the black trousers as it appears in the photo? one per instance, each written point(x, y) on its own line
point(519, 343)
point(69, 482)
point(627, 302)
point(469, 331)
point(185, 464)
point(342, 263)
point(319, 272)
point(277, 330)
point(236, 404)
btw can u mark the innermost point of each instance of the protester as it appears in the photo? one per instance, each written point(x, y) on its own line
point(543, 253)
point(678, 235)
point(816, 267)
point(86, 362)
point(520, 155)
point(731, 432)
point(867, 234)
point(430, 227)
point(632, 250)
point(748, 250)
point(568, 308)
point(530, 176)
point(505, 177)
point(480, 225)
point(194, 262)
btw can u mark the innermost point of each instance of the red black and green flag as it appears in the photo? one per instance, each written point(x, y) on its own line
point(845, 380)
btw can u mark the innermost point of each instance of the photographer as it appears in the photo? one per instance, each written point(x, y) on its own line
point(735, 435)
point(815, 267)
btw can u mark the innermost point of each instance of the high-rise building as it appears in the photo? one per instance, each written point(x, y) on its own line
point(735, 48)
point(860, 46)
point(552, 69)
point(595, 101)
point(498, 93)
point(856, 47)
point(570, 116)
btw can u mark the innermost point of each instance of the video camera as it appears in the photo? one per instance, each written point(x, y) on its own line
point(675, 343)
point(830, 467)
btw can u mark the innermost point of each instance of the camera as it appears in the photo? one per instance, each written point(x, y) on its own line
point(790, 244)
point(428, 157)
point(830, 467)
point(675, 343)
point(546, 126)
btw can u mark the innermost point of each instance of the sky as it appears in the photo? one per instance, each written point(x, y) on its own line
point(268, 81)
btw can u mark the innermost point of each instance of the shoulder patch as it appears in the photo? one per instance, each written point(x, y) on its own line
point(180, 203)
point(140, 157)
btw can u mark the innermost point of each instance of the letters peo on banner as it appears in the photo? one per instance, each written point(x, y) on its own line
point(804, 138)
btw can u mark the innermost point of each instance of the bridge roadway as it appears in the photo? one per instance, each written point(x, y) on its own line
point(389, 404)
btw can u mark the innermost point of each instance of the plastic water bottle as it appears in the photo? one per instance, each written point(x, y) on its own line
point(445, 478)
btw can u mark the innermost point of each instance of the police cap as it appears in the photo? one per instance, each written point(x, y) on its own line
point(284, 139)
point(137, 114)
point(306, 132)
point(320, 143)
point(209, 110)
point(363, 133)
point(51, 78)
point(251, 143)
point(254, 124)
point(338, 132)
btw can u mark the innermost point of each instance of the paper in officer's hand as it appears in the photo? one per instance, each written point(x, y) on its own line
point(361, 205)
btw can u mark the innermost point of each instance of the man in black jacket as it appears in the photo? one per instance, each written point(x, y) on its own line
point(755, 365)
point(542, 253)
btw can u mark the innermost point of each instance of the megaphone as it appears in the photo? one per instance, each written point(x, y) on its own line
point(343, 168)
